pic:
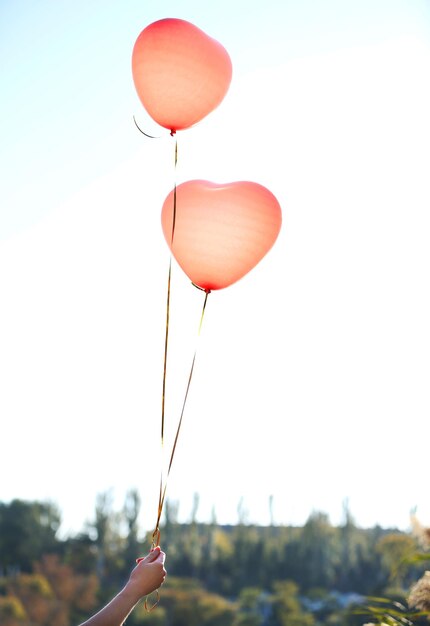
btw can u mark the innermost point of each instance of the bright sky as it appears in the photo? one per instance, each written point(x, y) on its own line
point(312, 374)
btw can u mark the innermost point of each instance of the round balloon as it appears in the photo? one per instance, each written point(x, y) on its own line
point(180, 73)
point(218, 233)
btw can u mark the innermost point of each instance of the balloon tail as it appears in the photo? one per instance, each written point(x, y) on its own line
point(143, 133)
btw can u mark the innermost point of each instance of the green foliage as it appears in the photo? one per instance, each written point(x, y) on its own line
point(392, 613)
point(26, 530)
point(253, 607)
point(11, 608)
point(241, 575)
point(287, 610)
point(32, 584)
point(187, 603)
point(141, 617)
point(80, 553)
point(397, 552)
point(52, 596)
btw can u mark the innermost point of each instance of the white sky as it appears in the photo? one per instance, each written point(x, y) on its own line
point(312, 375)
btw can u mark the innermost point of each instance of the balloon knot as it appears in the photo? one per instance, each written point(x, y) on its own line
point(172, 132)
point(205, 289)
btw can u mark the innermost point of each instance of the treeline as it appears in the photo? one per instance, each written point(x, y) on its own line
point(241, 575)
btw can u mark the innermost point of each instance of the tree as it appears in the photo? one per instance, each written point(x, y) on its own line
point(36, 595)
point(187, 603)
point(396, 549)
point(27, 530)
point(253, 607)
point(286, 608)
point(319, 552)
point(75, 593)
point(352, 553)
point(80, 552)
point(12, 612)
point(103, 519)
point(131, 513)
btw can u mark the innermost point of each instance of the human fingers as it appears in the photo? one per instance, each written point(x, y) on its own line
point(151, 556)
point(161, 556)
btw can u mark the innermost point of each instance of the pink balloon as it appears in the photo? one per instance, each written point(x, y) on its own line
point(180, 73)
point(221, 231)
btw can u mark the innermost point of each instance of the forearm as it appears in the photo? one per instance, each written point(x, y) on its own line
point(116, 612)
point(145, 578)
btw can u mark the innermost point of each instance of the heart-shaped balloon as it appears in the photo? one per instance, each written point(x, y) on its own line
point(218, 233)
point(180, 73)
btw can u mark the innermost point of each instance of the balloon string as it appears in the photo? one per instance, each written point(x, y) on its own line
point(163, 488)
point(149, 607)
point(166, 343)
point(174, 195)
point(156, 534)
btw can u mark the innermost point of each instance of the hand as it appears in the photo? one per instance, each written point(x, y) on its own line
point(148, 575)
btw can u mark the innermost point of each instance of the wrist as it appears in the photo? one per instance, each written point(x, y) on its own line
point(131, 593)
